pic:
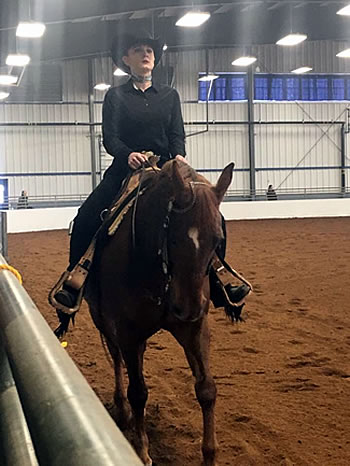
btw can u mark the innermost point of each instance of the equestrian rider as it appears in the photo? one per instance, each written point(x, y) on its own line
point(138, 116)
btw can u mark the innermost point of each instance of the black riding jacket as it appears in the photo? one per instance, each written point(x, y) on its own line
point(134, 121)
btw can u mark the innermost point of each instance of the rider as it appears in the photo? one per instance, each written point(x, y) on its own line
point(138, 116)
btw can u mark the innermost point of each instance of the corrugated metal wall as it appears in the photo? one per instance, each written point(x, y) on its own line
point(54, 161)
point(284, 146)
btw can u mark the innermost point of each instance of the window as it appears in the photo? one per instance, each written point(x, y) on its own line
point(229, 86)
point(277, 87)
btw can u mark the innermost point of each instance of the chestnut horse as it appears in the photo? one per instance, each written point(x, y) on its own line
point(153, 274)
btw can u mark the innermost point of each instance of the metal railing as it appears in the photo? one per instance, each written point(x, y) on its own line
point(66, 421)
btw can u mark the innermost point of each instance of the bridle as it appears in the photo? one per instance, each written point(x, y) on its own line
point(192, 184)
point(163, 249)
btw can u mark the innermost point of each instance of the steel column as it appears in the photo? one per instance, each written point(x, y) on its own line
point(251, 141)
point(342, 159)
point(92, 125)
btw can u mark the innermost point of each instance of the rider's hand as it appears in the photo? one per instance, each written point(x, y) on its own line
point(181, 158)
point(135, 160)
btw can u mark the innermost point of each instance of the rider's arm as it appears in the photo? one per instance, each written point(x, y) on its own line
point(111, 116)
point(176, 132)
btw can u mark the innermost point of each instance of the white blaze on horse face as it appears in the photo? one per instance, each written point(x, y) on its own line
point(193, 235)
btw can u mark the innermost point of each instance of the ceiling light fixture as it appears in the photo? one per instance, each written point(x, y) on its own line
point(208, 77)
point(344, 54)
point(193, 19)
point(119, 72)
point(345, 11)
point(4, 95)
point(17, 60)
point(292, 39)
point(102, 86)
point(244, 61)
point(7, 79)
point(302, 69)
point(30, 29)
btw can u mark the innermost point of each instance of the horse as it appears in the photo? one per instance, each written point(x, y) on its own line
point(152, 274)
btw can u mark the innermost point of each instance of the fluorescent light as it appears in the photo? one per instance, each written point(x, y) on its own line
point(344, 54)
point(193, 19)
point(292, 39)
point(102, 86)
point(244, 61)
point(30, 29)
point(119, 72)
point(7, 79)
point(302, 69)
point(208, 77)
point(4, 95)
point(344, 11)
point(17, 60)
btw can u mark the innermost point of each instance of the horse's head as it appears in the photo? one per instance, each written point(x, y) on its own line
point(195, 230)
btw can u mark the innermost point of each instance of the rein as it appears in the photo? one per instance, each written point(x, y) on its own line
point(133, 218)
point(194, 198)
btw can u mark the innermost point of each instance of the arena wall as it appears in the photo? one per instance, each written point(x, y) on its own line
point(59, 218)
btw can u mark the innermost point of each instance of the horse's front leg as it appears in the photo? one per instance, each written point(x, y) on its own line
point(122, 410)
point(195, 338)
point(137, 395)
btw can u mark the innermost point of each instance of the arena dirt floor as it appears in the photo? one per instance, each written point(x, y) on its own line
point(283, 376)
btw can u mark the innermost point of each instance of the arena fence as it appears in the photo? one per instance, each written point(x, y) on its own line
point(49, 415)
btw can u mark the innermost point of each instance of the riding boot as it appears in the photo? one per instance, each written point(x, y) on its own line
point(230, 297)
point(67, 296)
point(220, 294)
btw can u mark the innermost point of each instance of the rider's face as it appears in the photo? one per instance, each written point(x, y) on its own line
point(140, 59)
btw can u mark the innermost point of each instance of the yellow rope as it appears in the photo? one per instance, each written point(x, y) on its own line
point(13, 270)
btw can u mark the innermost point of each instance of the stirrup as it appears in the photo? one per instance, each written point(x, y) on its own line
point(57, 287)
point(221, 267)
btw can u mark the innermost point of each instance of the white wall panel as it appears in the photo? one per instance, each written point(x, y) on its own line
point(31, 150)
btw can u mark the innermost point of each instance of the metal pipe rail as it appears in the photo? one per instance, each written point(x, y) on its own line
point(67, 422)
point(16, 447)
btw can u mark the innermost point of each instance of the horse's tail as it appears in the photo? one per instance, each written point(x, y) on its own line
point(64, 320)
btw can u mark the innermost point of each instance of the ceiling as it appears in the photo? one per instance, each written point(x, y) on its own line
point(77, 28)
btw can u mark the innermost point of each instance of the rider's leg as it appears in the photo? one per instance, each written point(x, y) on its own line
point(235, 293)
point(86, 223)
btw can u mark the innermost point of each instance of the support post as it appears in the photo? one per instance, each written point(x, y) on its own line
point(3, 233)
point(92, 125)
point(251, 141)
point(342, 160)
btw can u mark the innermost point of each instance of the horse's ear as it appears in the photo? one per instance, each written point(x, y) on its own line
point(179, 182)
point(181, 188)
point(224, 181)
